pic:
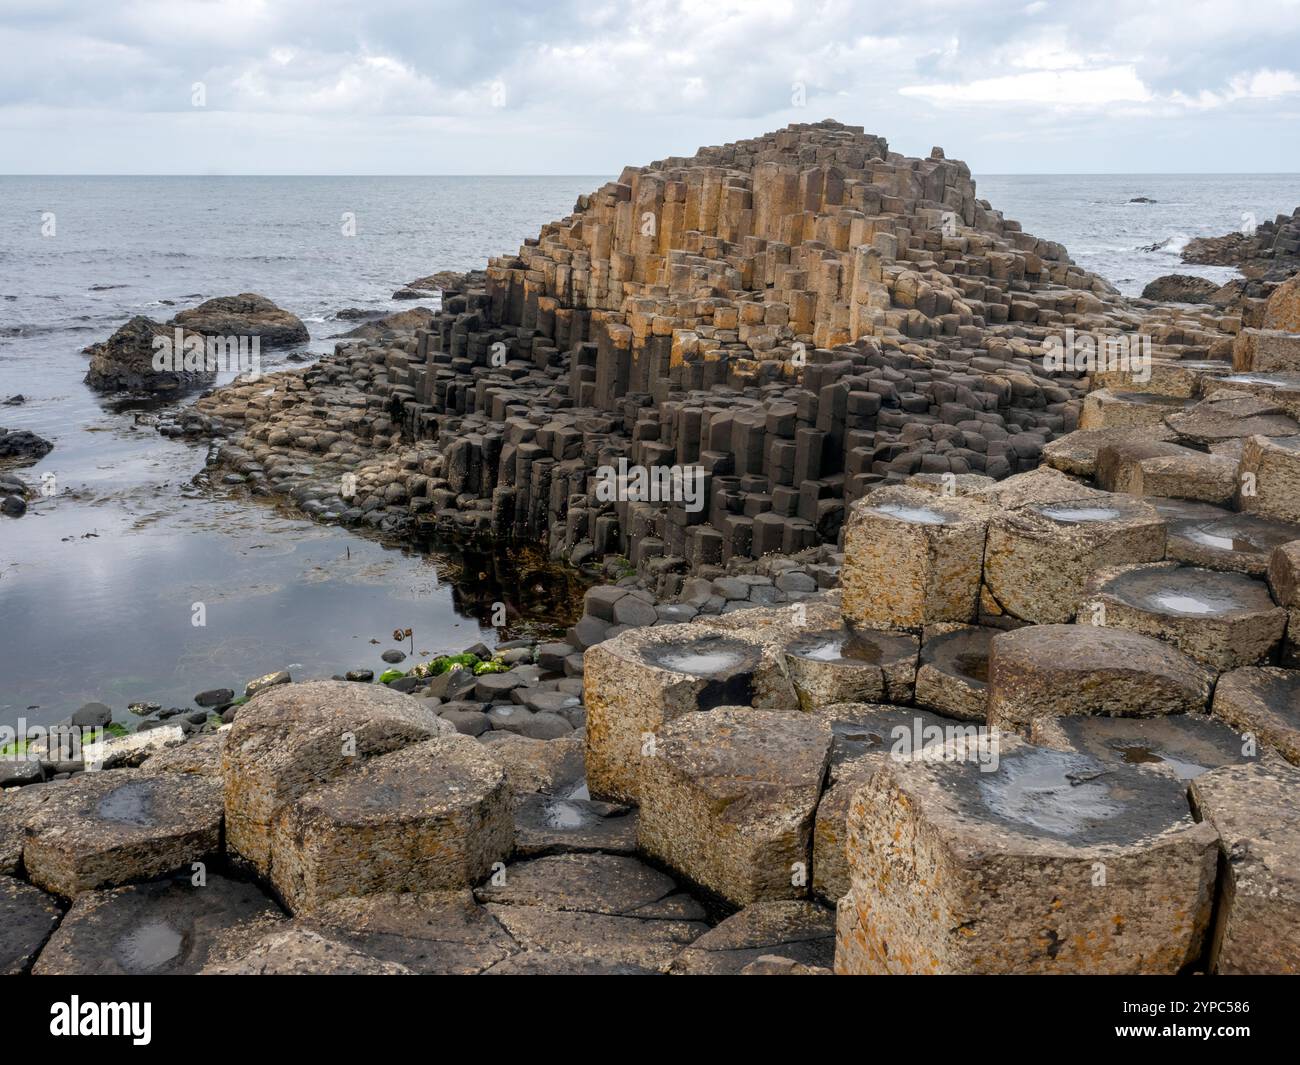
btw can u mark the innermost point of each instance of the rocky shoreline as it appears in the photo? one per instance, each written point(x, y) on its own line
point(976, 596)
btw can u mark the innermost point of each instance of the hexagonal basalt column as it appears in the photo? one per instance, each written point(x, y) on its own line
point(954, 673)
point(864, 735)
point(1039, 557)
point(1264, 703)
point(109, 828)
point(1050, 863)
point(728, 797)
point(1220, 539)
point(847, 665)
point(1223, 620)
point(643, 678)
point(1061, 670)
point(1254, 809)
point(1107, 409)
point(1270, 477)
point(1189, 744)
point(432, 816)
point(294, 737)
point(911, 559)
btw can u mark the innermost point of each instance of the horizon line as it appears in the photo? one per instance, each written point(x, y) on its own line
point(988, 174)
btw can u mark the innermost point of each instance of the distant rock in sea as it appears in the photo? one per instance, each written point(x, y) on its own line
point(1180, 288)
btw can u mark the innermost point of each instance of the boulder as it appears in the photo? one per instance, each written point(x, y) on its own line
point(21, 447)
point(1179, 288)
point(245, 315)
point(295, 737)
point(844, 665)
point(125, 361)
point(954, 672)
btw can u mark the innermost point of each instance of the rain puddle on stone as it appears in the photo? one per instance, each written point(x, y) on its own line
point(1209, 539)
point(568, 816)
point(127, 805)
point(915, 515)
point(150, 946)
point(1051, 791)
point(1183, 604)
point(1080, 514)
point(1138, 753)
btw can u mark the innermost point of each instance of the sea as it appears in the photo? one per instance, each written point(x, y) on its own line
point(101, 583)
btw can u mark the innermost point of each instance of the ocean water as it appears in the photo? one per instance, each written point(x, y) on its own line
point(98, 583)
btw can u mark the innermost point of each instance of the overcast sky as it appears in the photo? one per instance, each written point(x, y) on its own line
point(584, 87)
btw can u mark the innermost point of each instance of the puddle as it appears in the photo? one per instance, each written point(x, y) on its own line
point(1054, 792)
point(838, 646)
point(1076, 515)
point(1138, 753)
point(568, 816)
point(150, 946)
point(127, 805)
point(1191, 592)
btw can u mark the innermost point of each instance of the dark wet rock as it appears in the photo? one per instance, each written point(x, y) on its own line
point(30, 916)
point(125, 361)
point(92, 715)
point(245, 315)
point(17, 771)
point(1188, 744)
point(21, 447)
point(393, 656)
point(802, 932)
point(215, 697)
point(1180, 288)
point(402, 322)
point(13, 506)
point(163, 927)
point(360, 675)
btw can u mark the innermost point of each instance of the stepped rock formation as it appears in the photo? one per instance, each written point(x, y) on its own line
point(802, 316)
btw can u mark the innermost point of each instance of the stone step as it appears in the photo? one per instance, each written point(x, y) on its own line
point(1040, 862)
point(728, 798)
point(1060, 670)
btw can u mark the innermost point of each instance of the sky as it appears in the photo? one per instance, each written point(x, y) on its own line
point(587, 86)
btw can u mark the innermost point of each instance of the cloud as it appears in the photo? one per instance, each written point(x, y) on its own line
point(608, 82)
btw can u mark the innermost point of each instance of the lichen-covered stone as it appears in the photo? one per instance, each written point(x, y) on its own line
point(728, 797)
point(1057, 670)
point(1052, 863)
point(1254, 810)
point(432, 816)
point(294, 737)
point(911, 559)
